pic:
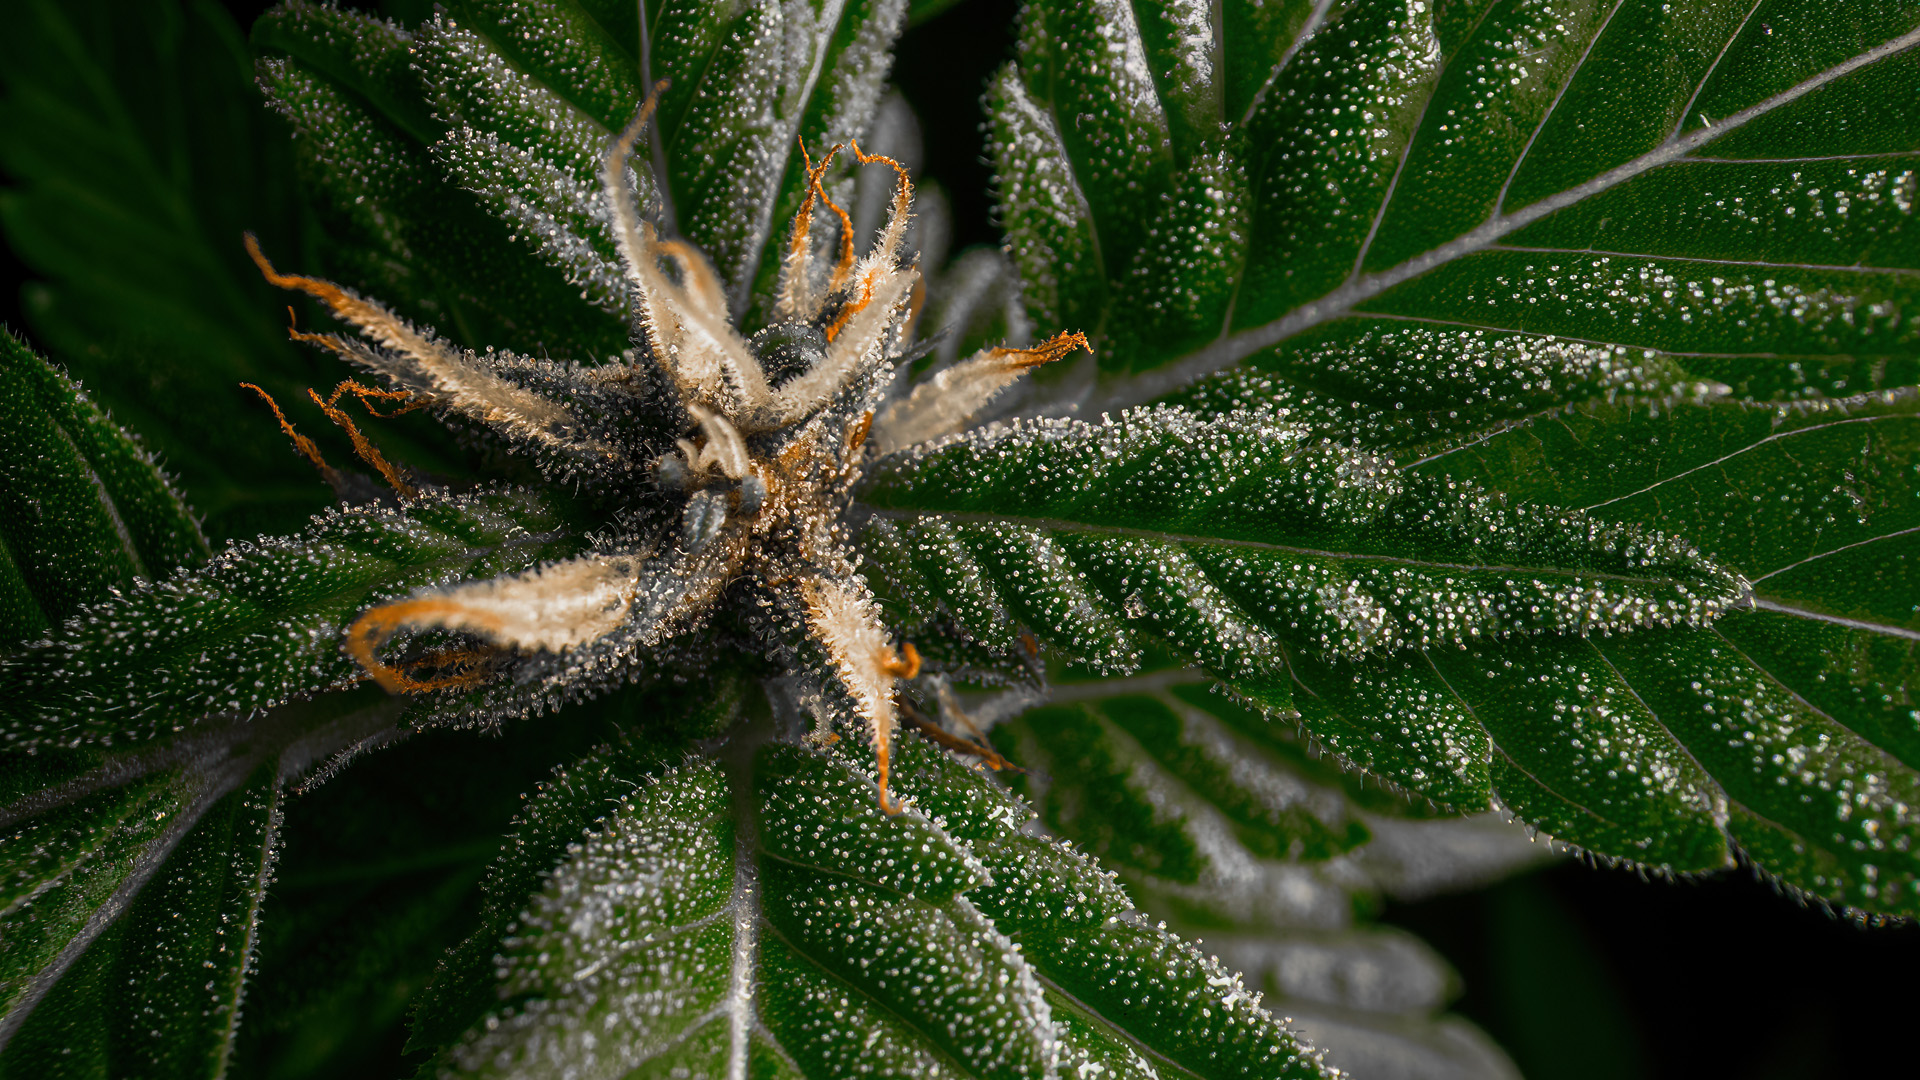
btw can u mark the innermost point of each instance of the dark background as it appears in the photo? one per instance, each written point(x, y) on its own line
point(1579, 971)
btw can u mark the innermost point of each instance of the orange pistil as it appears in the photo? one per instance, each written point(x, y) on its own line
point(349, 307)
point(902, 200)
point(844, 265)
point(307, 447)
point(904, 666)
point(903, 187)
point(325, 341)
point(368, 395)
point(839, 322)
point(940, 736)
point(803, 220)
point(460, 668)
point(1054, 348)
point(371, 630)
point(858, 436)
point(803, 217)
point(368, 452)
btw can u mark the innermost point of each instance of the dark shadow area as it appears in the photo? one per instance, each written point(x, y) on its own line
point(1589, 973)
point(941, 67)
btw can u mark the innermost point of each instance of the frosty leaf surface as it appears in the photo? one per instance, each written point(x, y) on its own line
point(1565, 253)
point(92, 510)
point(807, 934)
point(1222, 821)
point(1798, 703)
point(466, 151)
point(88, 833)
point(1112, 540)
point(159, 993)
point(1506, 167)
point(260, 624)
point(1533, 488)
point(1237, 540)
point(398, 227)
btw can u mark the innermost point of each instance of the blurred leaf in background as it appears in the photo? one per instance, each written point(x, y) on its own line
point(136, 153)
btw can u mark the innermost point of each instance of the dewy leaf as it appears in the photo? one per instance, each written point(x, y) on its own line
point(1464, 220)
point(258, 625)
point(92, 511)
point(1798, 704)
point(763, 917)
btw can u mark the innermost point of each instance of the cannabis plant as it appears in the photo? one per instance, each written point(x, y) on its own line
point(1397, 440)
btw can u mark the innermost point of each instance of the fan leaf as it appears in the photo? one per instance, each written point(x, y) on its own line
point(1236, 539)
point(1561, 252)
point(1799, 704)
point(760, 912)
point(159, 994)
point(1223, 822)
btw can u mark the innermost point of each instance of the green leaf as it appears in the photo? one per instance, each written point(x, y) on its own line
point(1463, 221)
point(1098, 538)
point(1284, 567)
point(1511, 168)
point(1492, 509)
point(1798, 705)
point(400, 230)
point(492, 214)
point(580, 791)
point(1223, 822)
point(762, 912)
point(260, 624)
point(93, 512)
point(159, 993)
point(380, 875)
point(194, 818)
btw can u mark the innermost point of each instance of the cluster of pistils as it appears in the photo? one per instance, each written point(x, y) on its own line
point(764, 438)
point(437, 374)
